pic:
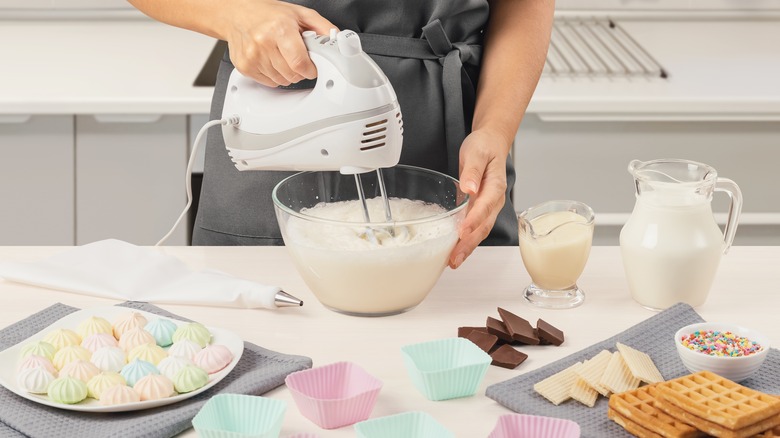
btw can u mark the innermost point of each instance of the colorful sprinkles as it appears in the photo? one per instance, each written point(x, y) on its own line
point(718, 343)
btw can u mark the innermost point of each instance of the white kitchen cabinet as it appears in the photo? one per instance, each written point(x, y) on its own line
point(587, 161)
point(130, 177)
point(36, 180)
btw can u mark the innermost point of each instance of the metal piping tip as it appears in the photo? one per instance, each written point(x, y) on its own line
point(283, 299)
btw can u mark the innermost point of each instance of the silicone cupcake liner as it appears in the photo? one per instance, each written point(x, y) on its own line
point(521, 425)
point(238, 415)
point(334, 395)
point(407, 425)
point(446, 368)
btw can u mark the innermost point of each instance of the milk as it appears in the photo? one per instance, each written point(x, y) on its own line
point(671, 248)
point(555, 260)
point(352, 274)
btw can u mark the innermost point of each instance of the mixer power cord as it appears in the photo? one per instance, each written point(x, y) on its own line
point(232, 120)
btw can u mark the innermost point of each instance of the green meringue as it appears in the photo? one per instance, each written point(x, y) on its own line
point(190, 378)
point(67, 390)
point(193, 331)
point(39, 348)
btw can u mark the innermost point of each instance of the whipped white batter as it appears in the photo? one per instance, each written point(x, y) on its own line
point(352, 273)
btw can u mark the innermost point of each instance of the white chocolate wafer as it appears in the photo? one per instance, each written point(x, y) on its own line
point(592, 370)
point(557, 388)
point(583, 393)
point(640, 364)
point(617, 377)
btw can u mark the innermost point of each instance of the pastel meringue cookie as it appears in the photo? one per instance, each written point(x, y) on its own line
point(67, 390)
point(193, 331)
point(101, 382)
point(213, 358)
point(154, 387)
point(184, 348)
point(69, 354)
point(80, 369)
point(172, 364)
point(162, 329)
point(133, 371)
point(119, 395)
point(62, 338)
point(190, 378)
point(92, 325)
point(109, 359)
point(135, 337)
point(151, 353)
point(35, 361)
point(39, 348)
point(127, 322)
point(35, 380)
point(99, 340)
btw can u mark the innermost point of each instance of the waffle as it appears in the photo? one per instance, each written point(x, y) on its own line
point(631, 427)
point(720, 401)
point(639, 407)
point(717, 430)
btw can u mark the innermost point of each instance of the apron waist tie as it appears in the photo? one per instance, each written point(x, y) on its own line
point(452, 56)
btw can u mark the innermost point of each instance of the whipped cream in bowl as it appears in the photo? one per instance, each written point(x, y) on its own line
point(372, 268)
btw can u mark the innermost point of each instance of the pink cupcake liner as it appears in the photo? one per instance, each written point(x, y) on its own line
point(334, 395)
point(521, 425)
point(304, 435)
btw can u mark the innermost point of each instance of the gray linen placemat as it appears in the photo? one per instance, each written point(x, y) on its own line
point(258, 371)
point(654, 337)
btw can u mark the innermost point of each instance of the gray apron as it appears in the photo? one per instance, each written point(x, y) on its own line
point(430, 50)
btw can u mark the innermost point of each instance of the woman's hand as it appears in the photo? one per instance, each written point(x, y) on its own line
point(483, 176)
point(264, 37)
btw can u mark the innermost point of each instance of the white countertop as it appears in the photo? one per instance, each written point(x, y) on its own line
point(744, 292)
point(101, 67)
point(718, 68)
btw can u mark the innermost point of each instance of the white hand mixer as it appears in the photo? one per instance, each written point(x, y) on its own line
point(350, 121)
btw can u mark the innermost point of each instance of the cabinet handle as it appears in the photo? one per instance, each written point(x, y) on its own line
point(128, 118)
point(14, 118)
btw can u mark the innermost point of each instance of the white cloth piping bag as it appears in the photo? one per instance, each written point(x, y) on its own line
point(119, 270)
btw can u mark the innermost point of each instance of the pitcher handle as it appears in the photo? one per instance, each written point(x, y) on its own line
point(735, 208)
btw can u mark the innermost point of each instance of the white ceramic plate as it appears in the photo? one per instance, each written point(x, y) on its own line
point(9, 359)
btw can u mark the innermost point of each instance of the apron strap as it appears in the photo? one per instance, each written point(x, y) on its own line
point(452, 56)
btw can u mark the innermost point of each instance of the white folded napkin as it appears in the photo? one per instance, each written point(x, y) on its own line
point(116, 269)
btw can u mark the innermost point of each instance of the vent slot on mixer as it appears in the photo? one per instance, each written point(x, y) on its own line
point(375, 132)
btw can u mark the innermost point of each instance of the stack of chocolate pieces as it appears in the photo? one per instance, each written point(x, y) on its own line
point(498, 336)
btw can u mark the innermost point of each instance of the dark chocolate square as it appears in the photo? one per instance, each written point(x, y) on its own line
point(464, 331)
point(549, 333)
point(496, 327)
point(483, 340)
point(507, 357)
point(520, 329)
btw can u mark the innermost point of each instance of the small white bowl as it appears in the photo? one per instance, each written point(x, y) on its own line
point(733, 368)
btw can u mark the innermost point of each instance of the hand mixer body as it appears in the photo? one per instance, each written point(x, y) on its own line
point(350, 121)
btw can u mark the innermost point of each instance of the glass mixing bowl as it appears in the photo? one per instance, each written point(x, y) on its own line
point(371, 268)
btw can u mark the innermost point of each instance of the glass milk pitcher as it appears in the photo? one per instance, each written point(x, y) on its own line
point(671, 245)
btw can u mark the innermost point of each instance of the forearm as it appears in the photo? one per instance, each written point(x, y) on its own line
point(202, 16)
point(514, 54)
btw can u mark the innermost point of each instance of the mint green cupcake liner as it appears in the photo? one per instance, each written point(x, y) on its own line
point(446, 368)
point(407, 425)
point(240, 416)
